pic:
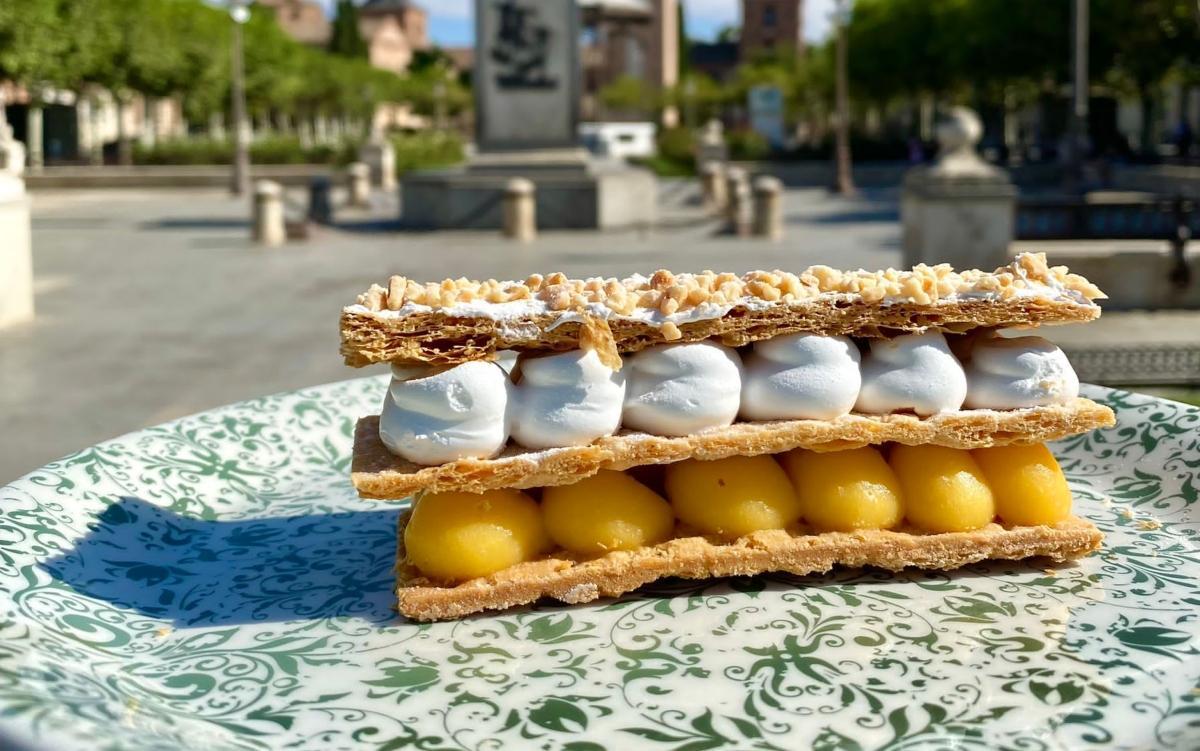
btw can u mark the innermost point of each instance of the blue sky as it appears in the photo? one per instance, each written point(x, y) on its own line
point(450, 20)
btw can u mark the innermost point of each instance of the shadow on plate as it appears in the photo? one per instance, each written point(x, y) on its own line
point(208, 573)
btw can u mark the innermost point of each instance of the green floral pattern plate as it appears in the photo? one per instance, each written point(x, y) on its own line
point(214, 583)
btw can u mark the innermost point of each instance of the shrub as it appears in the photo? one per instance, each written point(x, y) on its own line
point(676, 155)
point(748, 145)
point(677, 145)
point(269, 150)
point(427, 150)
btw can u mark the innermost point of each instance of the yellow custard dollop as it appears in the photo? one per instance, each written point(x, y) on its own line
point(944, 489)
point(1028, 484)
point(458, 536)
point(732, 497)
point(607, 511)
point(841, 491)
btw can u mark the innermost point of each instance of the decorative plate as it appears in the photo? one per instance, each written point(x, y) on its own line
point(214, 583)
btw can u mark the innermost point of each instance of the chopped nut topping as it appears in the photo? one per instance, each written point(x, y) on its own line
point(923, 285)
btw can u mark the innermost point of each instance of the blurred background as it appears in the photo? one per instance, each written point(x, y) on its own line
point(190, 191)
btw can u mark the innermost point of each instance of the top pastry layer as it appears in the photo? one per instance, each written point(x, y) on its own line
point(458, 321)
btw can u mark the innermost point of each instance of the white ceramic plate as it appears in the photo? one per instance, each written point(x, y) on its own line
point(215, 583)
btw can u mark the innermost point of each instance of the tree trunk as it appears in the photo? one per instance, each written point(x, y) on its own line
point(96, 154)
point(33, 137)
point(845, 177)
point(305, 132)
point(1011, 136)
point(926, 117)
point(1149, 140)
point(124, 147)
point(149, 132)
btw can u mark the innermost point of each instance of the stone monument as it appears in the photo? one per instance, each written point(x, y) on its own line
point(16, 258)
point(379, 154)
point(712, 147)
point(961, 210)
point(527, 93)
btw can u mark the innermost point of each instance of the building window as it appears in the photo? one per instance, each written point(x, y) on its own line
point(769, 16)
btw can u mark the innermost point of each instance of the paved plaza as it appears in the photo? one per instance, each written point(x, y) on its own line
point(154, 304)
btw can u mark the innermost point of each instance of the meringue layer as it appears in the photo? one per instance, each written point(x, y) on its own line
point(433, 416)
point(436, 415)
point(916, 372)
point(800, 376)
point(1025, 371)
point(679, 389)
point(566, 399)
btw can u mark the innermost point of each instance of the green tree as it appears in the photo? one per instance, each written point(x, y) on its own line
point(630, 95)
point(346, 39)
point(31, 44)
point(1147, 40)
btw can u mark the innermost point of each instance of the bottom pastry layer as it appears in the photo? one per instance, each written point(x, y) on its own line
point(573, 579)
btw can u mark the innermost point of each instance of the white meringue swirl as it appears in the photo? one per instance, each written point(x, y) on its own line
point(801, 376)
point(679, 389)
point(566, 399)
point(434, 416)
point(915, 372)
point(1025, 371)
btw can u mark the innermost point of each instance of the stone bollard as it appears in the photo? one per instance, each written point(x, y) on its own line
point(320, 202)
point(520, 210)
point(268, 226)
point(360, 185)
point(16, 257)
point(734, 176)
point(768, 208)
point(712, 184)
point(961, 210)
point(738, 214)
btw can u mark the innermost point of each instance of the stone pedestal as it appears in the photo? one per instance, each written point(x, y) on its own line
point(12, 154)
point(16, 257)
point(380, 156)
point(962, 210)
point(572, 192)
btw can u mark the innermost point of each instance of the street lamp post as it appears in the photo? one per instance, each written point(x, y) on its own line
point(843, 165)
point(1077, 140)
point(240, 183)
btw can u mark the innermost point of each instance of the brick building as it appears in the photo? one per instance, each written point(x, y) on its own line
point(394, 30)
point(302, 20)
point(635, 38)
point(769, 24)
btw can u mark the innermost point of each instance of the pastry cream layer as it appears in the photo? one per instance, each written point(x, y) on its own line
point(436, 415)
point(457, 536)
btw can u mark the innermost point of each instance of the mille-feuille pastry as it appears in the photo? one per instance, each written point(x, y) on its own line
point(704, 425)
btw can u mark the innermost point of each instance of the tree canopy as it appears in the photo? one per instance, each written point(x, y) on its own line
point(164, 48)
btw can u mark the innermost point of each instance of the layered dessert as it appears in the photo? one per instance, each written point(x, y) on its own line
point(708, 424)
